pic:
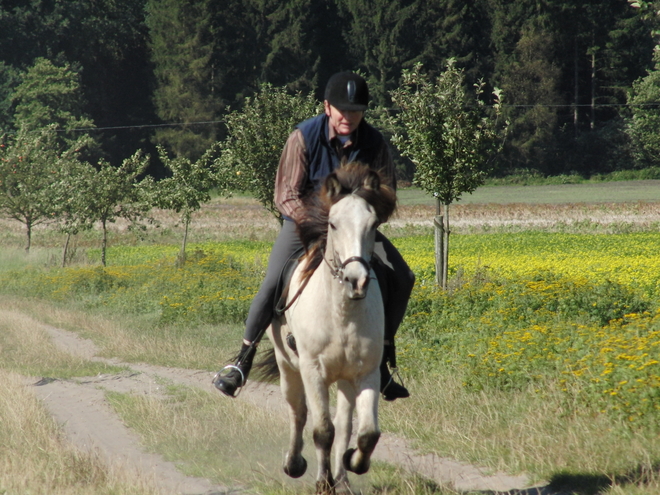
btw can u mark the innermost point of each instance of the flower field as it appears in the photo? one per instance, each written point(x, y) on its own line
point(581, 310)
point(575, 310)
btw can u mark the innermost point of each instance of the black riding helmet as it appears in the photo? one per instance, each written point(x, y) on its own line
point(347, 91)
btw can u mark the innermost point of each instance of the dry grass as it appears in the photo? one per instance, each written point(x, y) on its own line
point(26, 348)
point(35, 458)
point(574, 217)
point(128, 338)
point(243, 218)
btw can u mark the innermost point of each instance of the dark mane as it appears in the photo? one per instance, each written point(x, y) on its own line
point(351, 178)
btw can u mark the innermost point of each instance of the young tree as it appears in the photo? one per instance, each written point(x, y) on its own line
point(29, 164)
point(70, 198)
point(186, 189)
point(113, 192)
point(450, 137)
point(256, 135)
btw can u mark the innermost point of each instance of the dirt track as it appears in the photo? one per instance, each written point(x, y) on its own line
point(90, 423)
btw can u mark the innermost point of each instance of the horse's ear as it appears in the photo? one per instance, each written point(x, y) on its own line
point(372, 181)
point(332, 185)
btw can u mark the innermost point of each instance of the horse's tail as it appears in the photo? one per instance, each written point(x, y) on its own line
point(266, 368)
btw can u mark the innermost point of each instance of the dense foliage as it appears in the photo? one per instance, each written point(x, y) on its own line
point(167, 72)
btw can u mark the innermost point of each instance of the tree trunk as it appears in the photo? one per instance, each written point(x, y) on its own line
point(445, 248)
point(28, 226)
point(441, 223)
point(576, 88)
point(439, 259)
point(65, 250)
point(104, 243)
point(593, 90)
point(181, 259)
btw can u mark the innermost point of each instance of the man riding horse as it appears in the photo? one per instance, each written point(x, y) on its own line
point(314, 149)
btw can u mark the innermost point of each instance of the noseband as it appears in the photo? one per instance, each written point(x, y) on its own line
point(337, 269)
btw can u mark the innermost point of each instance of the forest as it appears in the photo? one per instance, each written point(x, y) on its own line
point(580, 78)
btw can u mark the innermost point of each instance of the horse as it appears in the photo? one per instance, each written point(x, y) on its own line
point(332, 329)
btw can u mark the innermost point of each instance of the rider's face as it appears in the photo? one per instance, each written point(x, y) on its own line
point(343, 121)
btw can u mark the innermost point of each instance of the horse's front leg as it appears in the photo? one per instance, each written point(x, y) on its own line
point(293, 391)
point(358, 460)
point(324, 431)
point(343, 429)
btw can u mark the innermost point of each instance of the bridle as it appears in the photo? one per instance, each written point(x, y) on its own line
point(337, 266)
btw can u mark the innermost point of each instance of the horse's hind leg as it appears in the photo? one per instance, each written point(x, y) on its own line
point(358, 460)
point(293, 391)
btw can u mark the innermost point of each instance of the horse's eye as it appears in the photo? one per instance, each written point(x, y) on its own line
point(332, 226)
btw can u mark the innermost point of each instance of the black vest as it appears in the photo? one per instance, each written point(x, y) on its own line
point(323, 158)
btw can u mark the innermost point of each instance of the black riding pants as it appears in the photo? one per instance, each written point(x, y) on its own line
point(288, 242)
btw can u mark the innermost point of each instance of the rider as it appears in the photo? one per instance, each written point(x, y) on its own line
point(314, 149)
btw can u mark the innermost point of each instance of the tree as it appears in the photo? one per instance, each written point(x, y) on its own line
point(644, 123)
point(9, 78)
point(51, 96)
point(256, 135)
point(181, 44)
point(377, 35)
point(70, 197)
point(106, 39)
point(113, 192)
point(290, 60)
point(530, 82)
point(453, 29)
point(186, 189)
point(30, 166)
point(449, 136)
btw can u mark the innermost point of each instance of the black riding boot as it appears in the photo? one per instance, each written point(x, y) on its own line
point(390, 389)
point(236, 378)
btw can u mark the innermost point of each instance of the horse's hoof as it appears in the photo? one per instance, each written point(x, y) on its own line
point(359, 468)
point(296, 469)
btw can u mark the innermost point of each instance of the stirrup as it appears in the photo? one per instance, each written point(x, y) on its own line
point(393, 372)
point(230, 367)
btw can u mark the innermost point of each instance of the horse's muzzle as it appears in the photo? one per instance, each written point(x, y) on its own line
point(358, 288)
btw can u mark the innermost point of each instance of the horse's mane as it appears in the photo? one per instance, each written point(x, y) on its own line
point(351, 178)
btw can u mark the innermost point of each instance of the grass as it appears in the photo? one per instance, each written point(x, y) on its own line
point(34, 457)
point(26, 348)
point(502, 414)
point(210, 440)
point(595, 192)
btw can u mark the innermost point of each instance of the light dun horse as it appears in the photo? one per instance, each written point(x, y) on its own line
point(335, 313)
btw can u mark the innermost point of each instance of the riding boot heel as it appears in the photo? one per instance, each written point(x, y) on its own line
point(390, 389)
point(237, 374)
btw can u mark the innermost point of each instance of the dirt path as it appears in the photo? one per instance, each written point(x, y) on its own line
point(79, 405)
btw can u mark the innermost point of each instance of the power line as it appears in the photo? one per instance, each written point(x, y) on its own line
point(213, 122)
point(139, 126)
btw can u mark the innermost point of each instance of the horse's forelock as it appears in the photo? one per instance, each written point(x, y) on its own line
point(356, 178)
point(350, 178)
